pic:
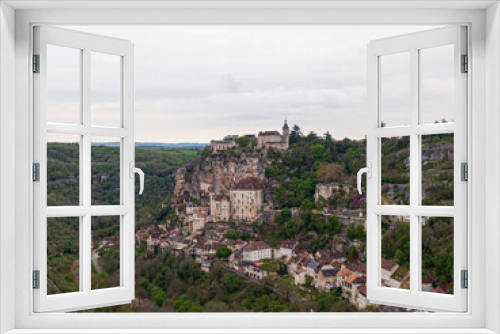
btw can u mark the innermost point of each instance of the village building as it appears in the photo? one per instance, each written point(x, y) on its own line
point(219, 208)
point(388, 269)
point(246, 199)
point(264, 139)
point(196, 217)
point(257, 271)
point(361, 300)
point(227, 143)
point(327, 279)
point(256, 250)
point(326, 190)
point(274, 139)
point(285, 250)
point(300, 276)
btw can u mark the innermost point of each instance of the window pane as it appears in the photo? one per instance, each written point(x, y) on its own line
point(395, 261)
point(395, 171)
point(105, 252)
point(63, 250)
point(105, 89)
point(437, 84)
point(395, 89)
point(437, 254)
point(63, 169)
point(63, 84)
point(105, 171)
point(437, 169)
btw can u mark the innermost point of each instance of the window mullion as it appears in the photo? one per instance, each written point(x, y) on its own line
point(86, 179)
point(414, 170)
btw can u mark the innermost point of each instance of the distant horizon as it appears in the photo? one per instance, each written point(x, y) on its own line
point(181, 144)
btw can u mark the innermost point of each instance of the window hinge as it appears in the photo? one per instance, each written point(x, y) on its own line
point(465, 279)
point(465, 64)
point(36, 63)
point(36, 279)
point(36, 172)
point(464, 172)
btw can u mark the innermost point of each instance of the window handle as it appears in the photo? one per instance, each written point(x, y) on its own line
point(368, 172)
point(135, 170)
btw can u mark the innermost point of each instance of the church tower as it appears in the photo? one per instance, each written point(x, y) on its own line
point(286, 136)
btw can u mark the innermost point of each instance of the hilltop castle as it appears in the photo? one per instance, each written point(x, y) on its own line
point(264, 139)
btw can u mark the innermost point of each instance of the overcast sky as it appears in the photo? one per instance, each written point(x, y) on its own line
point(196, 83)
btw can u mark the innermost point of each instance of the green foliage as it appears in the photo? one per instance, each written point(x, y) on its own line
point(231, 234)
point(243, 141)
point(396, 244)
point(437, 250)
point(223, 252)
point(158, 295)
point(356, 232)
point(232, 283)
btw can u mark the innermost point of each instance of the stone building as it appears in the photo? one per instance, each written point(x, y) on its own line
point(256, 250)
point(246, 199)
point(221, 145)
point(219, 208)
point(326, 190)
point(264, 139)
point(274, 138)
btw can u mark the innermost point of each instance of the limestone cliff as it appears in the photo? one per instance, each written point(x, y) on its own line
point(217, 173)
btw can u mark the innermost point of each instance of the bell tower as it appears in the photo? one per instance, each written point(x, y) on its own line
point(286, 136)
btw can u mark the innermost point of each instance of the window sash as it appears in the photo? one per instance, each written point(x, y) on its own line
point(85, 298)
point(413, 298)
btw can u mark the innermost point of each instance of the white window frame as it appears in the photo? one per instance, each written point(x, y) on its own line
point(85, 298)
point(483, 21)
point(412, 44)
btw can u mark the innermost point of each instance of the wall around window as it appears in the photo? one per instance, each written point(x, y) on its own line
point(7, 160)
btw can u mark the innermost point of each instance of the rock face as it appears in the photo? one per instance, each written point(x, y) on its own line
point(218, 173)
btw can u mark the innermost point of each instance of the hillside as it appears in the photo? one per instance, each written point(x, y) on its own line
point(166, 283)
point(63, 189)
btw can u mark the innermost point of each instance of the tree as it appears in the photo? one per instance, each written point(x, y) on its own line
point(231, 234)
point(295, 135)
point(158, 295)
point(330, 172)
point(223, 252)
point(309, 281)
point(141, 293)
point(243, 141)
point(311, 136)
point(328, 137)
point(231, 283)
point(334, 225)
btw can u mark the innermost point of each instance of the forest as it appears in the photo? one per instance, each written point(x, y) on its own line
point(63, 189)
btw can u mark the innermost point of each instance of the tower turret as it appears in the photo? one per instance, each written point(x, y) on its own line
point(286, 135)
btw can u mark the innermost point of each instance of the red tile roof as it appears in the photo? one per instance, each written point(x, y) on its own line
point(256, 245)
point(388, 265)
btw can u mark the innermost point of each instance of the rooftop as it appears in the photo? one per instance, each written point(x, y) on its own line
point(250, 183)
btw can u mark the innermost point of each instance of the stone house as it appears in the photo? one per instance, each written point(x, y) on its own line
point(246, 199)
point(300, 276)
point(327, 279)
point(222, 145)
point(274, 138)
point(255, 251)
point(219, 208)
